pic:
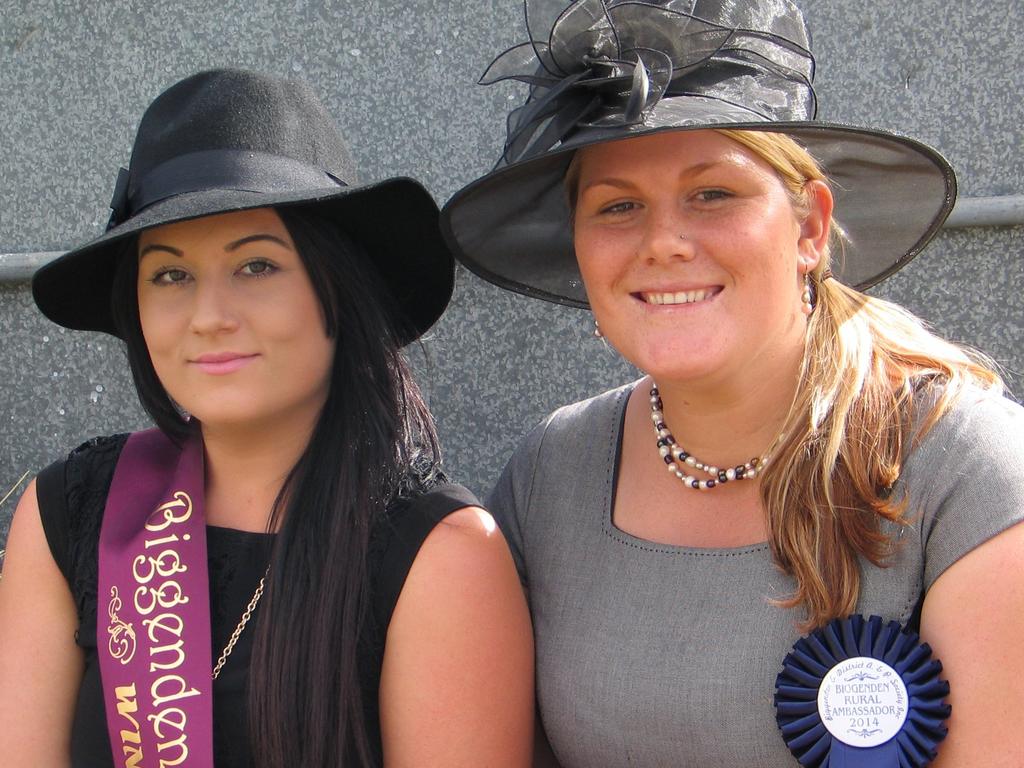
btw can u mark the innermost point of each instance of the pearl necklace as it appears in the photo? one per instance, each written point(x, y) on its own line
point(678, 459)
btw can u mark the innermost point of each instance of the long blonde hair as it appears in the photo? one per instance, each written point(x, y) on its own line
point(853, 422)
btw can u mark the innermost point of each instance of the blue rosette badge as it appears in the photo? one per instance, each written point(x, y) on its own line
point(861, 694)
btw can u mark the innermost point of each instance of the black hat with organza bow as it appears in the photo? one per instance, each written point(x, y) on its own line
point(603, 70)
point(231, 140)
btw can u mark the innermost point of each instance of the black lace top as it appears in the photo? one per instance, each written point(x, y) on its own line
point(72, 495)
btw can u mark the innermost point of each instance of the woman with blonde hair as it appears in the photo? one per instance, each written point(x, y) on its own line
point(839, 477)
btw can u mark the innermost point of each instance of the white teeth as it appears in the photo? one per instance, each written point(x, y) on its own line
point(682, 297)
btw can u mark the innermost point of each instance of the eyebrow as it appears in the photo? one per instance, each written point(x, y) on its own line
point(158, 247)
point(613, 181)
point(233, 246)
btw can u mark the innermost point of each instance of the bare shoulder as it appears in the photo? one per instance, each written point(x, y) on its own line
point(469, 527)
point(28, 552)
point(973, 618)
point(470, 519)
point(463, 567)
point(466, 543)
point(26, 512)
point(39, 662)
point(457, 680)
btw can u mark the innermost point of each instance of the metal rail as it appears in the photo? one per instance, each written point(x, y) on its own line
point(1005, 211)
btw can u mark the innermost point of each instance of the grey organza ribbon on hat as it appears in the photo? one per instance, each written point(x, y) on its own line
point(606, 63)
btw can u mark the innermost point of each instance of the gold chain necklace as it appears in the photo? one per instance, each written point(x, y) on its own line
point(241, 626)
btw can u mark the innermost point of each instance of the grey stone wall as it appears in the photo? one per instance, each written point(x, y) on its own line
point(399, 77)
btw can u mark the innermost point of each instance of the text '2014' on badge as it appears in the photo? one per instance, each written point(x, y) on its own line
point(860, 693)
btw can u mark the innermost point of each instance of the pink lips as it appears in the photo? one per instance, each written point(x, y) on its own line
point(221, 363)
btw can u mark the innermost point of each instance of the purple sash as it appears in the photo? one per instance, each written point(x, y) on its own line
point(156, 664)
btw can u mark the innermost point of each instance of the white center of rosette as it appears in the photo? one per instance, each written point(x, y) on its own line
point(862, 702)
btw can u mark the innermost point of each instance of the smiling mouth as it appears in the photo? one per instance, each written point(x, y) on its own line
point(679, 297)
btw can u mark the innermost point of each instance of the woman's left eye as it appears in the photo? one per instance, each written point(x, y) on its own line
point(169, 276)
point(623, 207)
point(710, 195)
point(258, 268)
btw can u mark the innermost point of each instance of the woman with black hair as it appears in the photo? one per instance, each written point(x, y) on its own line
point(279, 574)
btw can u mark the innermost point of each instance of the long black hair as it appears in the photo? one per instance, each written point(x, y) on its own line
point(373, 442)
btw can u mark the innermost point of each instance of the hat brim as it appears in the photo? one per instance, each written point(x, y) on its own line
point(394, 220)
point(511, 227)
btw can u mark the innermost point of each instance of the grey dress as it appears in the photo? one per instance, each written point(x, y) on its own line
point(657, 655)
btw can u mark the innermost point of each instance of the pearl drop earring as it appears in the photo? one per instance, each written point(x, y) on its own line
point(807, 297)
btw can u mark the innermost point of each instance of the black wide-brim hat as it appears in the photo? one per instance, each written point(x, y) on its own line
point(231, 140)
point(607, 70)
